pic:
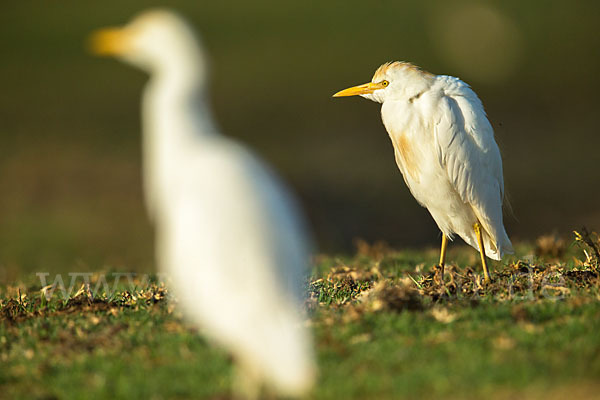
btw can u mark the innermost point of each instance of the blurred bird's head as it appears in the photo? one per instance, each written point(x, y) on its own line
point(155, 41)
point(392, 81)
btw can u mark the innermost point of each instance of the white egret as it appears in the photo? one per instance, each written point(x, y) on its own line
point(445, 148)
point(228, 233)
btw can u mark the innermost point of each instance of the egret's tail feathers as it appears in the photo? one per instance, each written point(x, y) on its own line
point(494, 248)
point(498, 247)
point(502, 243)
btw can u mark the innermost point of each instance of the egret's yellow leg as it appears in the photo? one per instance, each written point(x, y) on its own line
point(443, 252)
point(486, 272)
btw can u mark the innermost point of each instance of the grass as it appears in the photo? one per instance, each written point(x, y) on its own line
point(386, 326)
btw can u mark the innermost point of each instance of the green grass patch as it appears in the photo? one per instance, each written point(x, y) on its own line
point(387, 325)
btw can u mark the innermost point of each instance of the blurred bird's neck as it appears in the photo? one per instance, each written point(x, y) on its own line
point(181, 73)
point(175, 110)
point(177, 123)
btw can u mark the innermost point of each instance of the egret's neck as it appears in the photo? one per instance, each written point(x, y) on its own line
point(175, 106)
point(176, 122)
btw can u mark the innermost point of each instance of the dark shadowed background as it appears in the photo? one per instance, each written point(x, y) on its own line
point(69, 123)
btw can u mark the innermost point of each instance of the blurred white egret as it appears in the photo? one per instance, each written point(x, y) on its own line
point(228, 232)
point(444, 147)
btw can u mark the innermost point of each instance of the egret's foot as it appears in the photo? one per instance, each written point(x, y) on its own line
point(438, 274)
point(438, 269)
point(486, 271)
point(486, 277)
point(451, 273)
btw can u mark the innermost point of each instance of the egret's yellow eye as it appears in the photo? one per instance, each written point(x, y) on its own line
point(384, 83)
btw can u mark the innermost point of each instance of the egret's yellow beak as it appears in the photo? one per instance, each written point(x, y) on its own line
point(109, 41)
point(360, 89)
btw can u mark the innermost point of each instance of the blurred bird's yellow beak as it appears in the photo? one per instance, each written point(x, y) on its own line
point(360, 89)
point(109, 41)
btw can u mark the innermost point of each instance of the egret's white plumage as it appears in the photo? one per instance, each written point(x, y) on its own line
point(445, 148)
point(228, 233)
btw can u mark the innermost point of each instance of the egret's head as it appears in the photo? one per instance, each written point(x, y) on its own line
point(392, 80)
point(153, 41)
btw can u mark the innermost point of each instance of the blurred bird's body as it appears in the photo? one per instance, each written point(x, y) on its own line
point(228, 233)
point(444, 146)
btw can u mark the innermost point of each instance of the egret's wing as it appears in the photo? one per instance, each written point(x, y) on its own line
point(466, 145)
point(469, 153)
